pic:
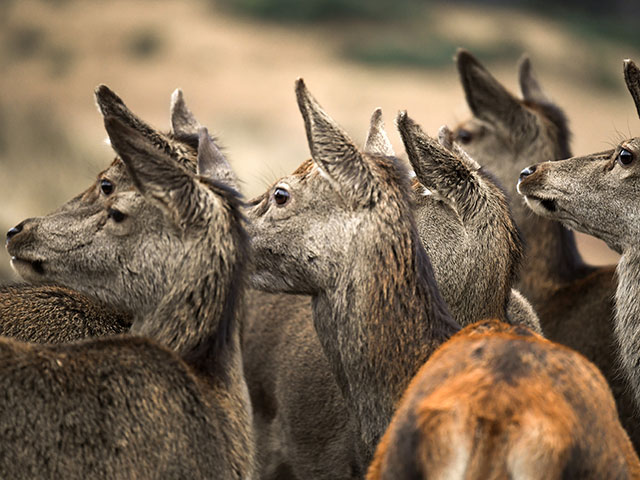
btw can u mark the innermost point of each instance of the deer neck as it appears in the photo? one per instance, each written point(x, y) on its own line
point(378, 327)
point(627, 325)
point(198, 318)
point(551, 254)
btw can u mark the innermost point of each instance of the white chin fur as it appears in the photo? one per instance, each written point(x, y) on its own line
point(536, 206)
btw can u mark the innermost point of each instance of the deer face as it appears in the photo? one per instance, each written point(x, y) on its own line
point(297, 227)
point(596, 194)
point(108, 242)
point(99, 249)
point(305, 227)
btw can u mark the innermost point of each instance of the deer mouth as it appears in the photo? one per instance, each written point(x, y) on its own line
point(541, 205)
point(25, 268)
point(548, 204)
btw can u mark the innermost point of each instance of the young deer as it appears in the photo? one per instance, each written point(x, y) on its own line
point(475, 250)
point(597, 194)
point(498, 402)
point(40, 247)
point(170, 400)
point(573, 300)
point(353, 246)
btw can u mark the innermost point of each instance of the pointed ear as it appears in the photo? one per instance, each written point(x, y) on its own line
point(377, 141)
point(438, 168)
point(488, 99)
point(158, 177)
point(529, 85)
point(334, 152)
point(632, 77)
point(112, 105)
point(182, 120)
point(212, 163)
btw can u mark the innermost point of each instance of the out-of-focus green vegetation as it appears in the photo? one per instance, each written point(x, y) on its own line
point(144, 43)
point(401, 32)
point(322, 10)
point(432, 51)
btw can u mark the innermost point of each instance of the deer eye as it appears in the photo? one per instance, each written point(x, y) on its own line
point(625, 157)
point(106, 186)
point(116, 215)
point(464, 136)
point(281, 196)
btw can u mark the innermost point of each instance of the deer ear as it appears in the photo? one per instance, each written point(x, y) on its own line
point(438, 168)
point(112, 105)
point(182, 120)
point(334, 152)
point(529, 86)
point(158, 177)
point(488, 99)
point(377, 141)
point(212, 163)
point(632, 77)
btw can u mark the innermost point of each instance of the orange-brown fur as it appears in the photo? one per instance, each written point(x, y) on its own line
point(500, 402)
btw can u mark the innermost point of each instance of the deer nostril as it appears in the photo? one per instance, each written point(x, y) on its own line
point(14, 231)
point(527, 171)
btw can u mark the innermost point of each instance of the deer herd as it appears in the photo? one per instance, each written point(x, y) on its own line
point(359, 319)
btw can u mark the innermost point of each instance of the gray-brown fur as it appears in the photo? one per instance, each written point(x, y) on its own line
point(290, 380)
point(53, 314)
point(475, 245)
point(574, 301)
point(352, 245)
point(41, 245)
point(598, 194)
point(173, 404)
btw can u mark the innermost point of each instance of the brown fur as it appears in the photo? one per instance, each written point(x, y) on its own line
point(49, 249)
point(597, 194)
point(352, 245)
point(172, 402)
point(573, 300)
point(289, 376)
point(52, 314)
point(496, 402)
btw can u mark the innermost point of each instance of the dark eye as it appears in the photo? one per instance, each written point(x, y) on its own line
point(625, 157)
point(106, 186)
point(116, 215)
point(464, 136)
point(281, 196)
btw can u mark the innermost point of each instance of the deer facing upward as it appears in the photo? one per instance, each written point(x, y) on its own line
point(173, 404)
point(573, 300)
point(598, 194)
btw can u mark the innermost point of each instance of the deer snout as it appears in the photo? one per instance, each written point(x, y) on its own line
point(527, 171)
point(15, 230)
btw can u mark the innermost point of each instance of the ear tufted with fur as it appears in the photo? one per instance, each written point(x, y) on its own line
point(334, 152)
point(632, 78)
point(377, 141)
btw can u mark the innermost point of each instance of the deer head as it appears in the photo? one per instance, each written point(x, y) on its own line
point(302, 227)
point(506, 133)
point(70, 246)
point(465, 223)
point(595, 194)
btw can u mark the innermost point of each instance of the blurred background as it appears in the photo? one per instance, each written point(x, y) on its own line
point(236, 61)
